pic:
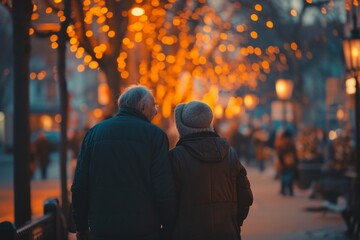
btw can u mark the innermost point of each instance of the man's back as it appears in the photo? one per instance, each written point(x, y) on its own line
point(129, 178)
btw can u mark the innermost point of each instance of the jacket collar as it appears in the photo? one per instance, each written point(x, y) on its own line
point(196, 135)
point(128, 111)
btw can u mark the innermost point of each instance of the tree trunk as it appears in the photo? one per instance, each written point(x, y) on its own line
point(22, 10)
point(115, 82)
point(64, 103)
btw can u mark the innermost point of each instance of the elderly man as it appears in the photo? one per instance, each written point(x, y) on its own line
point(123, 186)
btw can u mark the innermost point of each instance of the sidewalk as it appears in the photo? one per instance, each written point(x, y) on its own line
point(41, 190)
point(276, 217)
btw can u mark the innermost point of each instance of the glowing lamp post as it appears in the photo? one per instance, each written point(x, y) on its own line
point(351, 47)
point(250, 101)
point(137, 11)
point(284, 89)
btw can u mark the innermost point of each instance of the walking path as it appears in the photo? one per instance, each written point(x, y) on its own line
point(276, 217)
point(272, 216)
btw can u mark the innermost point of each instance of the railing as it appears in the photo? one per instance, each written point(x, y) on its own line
point(47, 227)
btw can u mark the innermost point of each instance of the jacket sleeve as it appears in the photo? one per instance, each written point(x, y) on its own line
point(244, 193)
point(80, 187)
point(163, 183)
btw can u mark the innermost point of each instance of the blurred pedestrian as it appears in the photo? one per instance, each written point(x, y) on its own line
point(213, 190)
point(260, 138)
point(287, 156)
point(74, 146)
point(240, 141)
point(123, 185)
point(32, 165)
point(43, 148)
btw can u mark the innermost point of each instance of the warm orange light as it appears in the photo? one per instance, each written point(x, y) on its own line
point(284, 88)
point(46, 122)
point(48, 10)
point(32, 75)
point(202, 60)
point(80, 68)
point(53, 38)
point(109, 14)
point(111, 34)
point(98, 113)
point(294, 46)
point(265, 65)
point(93, 65)
point(240, 28)
point(170, 59)
point(269, 24)
point(257, 51)
point(340, 114)
point(250, 101)
point(254, 17)
point(223, 36)
point(125, 74)
point(41, 75)
point(222, 47)
point(258, 7)
point(350, 86)
point(137, 11)
point(218, 111)
point(293, 13)
point(176, 21)
point(103, 94)
point(54, 45)
point(57, 118)
point(207, 28)
point(254, 35)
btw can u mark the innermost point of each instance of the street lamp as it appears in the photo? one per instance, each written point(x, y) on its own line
point(137, 11)
point(250, 101)
point(284, 89)
point(351, 47)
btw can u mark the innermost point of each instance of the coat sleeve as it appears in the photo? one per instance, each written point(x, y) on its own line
point(243, 191)
point(80, 187)
point(163, 183)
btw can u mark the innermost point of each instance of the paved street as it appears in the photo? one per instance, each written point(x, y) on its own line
point(271, 217)
point(276, 217)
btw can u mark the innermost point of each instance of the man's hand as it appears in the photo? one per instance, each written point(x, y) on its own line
point(82, 235)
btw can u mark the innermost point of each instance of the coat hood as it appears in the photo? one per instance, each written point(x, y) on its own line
point(206, 146)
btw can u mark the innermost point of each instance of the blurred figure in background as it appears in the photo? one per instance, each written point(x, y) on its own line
point(240, 140)
point(260, 138)
point(42, 150)
point(74, 146)
point(32, 165)
point(286, 152)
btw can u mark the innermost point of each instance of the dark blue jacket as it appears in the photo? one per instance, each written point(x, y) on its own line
point(123, 186)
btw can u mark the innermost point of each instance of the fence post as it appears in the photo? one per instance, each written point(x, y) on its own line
point(51, 206)
point(7, 231)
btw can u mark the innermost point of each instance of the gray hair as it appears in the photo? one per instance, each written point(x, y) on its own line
point(134, 97)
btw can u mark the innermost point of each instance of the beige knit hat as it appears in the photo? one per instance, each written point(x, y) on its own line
point(193, 117)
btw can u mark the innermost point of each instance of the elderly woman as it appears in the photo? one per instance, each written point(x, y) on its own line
point(212, 187)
